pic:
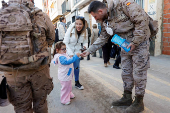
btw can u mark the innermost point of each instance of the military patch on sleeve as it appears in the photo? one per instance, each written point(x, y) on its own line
point(128, 3)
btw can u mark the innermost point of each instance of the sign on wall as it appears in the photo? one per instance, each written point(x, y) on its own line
point(152, 7)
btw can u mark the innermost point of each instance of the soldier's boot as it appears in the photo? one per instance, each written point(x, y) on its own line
point(137, 106)
point(126, 100)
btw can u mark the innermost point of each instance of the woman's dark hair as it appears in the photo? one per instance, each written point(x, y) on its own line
point(62, 18)
point(95, 6)
point(58, 46)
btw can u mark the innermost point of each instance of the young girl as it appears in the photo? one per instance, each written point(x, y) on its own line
point(65, 71)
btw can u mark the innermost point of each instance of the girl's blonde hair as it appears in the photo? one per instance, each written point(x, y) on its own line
point(58, 46)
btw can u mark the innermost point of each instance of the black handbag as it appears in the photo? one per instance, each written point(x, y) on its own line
point(3, 91)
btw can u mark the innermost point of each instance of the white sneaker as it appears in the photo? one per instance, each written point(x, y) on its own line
point(66, 103)
point(79, 87)
point(72, 97)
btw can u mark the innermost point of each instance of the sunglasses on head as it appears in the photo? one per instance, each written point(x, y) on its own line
point(79, 17)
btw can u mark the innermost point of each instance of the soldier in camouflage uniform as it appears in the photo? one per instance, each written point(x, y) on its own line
point(128, 20)
point(29, 83)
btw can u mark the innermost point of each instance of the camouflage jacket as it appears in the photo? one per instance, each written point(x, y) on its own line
point(128, 20)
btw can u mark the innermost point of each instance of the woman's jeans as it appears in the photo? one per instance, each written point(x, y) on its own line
point(76, 65)
point(100, 52)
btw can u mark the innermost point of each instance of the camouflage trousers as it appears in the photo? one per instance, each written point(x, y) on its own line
point(27, 87)
point(134, 68)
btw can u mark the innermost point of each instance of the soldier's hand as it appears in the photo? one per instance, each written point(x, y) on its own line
point(131, 46)
point(84, 54)
point(71, 55)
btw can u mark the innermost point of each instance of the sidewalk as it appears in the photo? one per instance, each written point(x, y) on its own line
point(160, 64)
point(157, 98)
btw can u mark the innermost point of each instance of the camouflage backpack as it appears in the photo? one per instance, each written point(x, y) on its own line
point(16, 30)
point(153, 26)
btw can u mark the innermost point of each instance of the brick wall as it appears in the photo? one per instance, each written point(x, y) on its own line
point(166, 28)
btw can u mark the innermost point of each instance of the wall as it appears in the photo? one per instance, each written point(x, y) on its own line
point(68, 18)
point(83, 12)
point(90, 19)
point(154, 10)
point(158, 41)
point(166, 28)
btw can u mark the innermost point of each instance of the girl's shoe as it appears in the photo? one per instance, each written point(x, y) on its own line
point(66, 103)
point(72, 97)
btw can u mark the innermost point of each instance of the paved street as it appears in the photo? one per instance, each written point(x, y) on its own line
point(103, 85)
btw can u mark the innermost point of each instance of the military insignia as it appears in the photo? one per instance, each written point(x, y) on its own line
point(121, 17)
point(12, 19)
point(128, 3)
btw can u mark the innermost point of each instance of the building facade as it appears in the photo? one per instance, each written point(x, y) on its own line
point(45, 6)
point(55, 10)
point(77, 8)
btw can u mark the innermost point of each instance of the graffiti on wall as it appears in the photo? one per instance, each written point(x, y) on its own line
point(152, 10)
